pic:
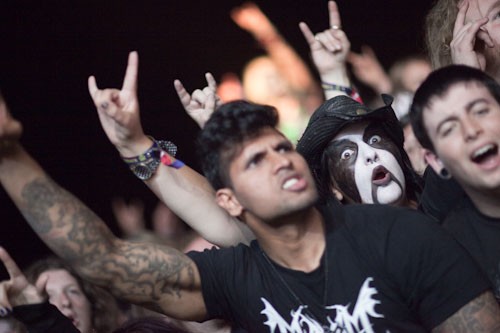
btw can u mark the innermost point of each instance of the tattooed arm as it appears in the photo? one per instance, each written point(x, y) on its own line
point(158, 277)
point(482, 314)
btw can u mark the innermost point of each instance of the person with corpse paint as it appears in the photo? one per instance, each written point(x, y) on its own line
point(357, 154)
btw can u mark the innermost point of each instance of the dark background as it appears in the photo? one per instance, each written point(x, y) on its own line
point(49, 48)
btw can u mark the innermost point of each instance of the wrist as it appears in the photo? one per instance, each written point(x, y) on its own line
point(339, 77)
point(135, 148)
point(145, 164)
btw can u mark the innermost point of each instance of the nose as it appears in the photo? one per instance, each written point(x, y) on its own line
point(367, 153)
point(63, 301)
point(281, 161)
point(470, 128)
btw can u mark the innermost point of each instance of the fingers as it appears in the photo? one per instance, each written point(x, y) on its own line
point(212, 84)
point(10, 264)
point(334, 14)
point(5, 306)
point(308, 35)
point(210, 102)
point(184, 96)
point(200, 96)
point(485, 37)
point(92, 85)
point(130, 80)
point(41, 284)
point(460, 20)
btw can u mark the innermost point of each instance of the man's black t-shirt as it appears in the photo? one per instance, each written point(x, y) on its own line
point(387, 270)
point(480, 235)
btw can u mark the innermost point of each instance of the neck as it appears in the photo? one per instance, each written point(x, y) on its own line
point(296, 242)
point(488, 203)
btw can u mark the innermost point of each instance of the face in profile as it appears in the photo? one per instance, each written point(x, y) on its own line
point(366, 165)
point(463, 126)
point(66, 294)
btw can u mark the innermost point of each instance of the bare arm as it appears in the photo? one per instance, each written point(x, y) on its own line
point(158, 277)
point(329, 50)
point(184, 191)
point(482, 314)
point(290, 65)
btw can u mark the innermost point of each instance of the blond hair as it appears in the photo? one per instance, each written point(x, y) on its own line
point(439, 24)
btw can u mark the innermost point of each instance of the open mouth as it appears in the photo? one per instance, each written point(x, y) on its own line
point(381, 176)
point(294, 183)
point(484, 153)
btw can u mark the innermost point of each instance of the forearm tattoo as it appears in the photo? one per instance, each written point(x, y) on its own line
point(141, 273)
point(482, 314)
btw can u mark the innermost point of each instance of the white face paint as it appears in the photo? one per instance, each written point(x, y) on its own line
point(378, 176)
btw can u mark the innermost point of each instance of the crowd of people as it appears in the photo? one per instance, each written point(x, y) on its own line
point(311, 215)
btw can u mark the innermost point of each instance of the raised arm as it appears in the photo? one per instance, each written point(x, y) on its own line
point(158, 277)
point(183, 190)
point(290, 65)
point(329, 50)
point(369, 70)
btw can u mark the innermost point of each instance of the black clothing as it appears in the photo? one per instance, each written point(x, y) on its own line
point(387, 270)
point(480, 236)
point(43, 318)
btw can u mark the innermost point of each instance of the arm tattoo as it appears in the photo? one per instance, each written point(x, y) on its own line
point(138, 272)
point(482, 314)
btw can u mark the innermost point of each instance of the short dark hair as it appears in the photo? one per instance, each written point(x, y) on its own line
point(225, 131)
point(438, 84)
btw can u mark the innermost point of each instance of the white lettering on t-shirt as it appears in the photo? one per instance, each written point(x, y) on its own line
point(340, 321)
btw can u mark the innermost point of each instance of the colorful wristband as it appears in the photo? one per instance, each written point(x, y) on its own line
point(347, 90)
point(167, 160)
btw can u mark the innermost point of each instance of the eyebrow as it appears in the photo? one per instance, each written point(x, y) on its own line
point(259, 153)
point(468, 108)
point(338, 143)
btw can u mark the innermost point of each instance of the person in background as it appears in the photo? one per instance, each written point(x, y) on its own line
point(455, 116)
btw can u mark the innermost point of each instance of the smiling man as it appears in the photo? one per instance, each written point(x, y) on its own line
point(456, 117)
point(357, 154)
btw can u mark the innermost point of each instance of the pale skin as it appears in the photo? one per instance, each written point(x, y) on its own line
point(17, 290)
point(368, 69)
point(121, 122)
point(465, 35)
point(460, 123)
point(329, 50)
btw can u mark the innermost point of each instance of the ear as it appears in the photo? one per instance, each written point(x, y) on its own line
point(337, 193)
point(226, 199)
point(434, 161)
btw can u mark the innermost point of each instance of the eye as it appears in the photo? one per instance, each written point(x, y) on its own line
point(75, 291)
point(284, 147)
point(447, 129)
point(481, 112)
point(346, 154)
point(374, 139)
